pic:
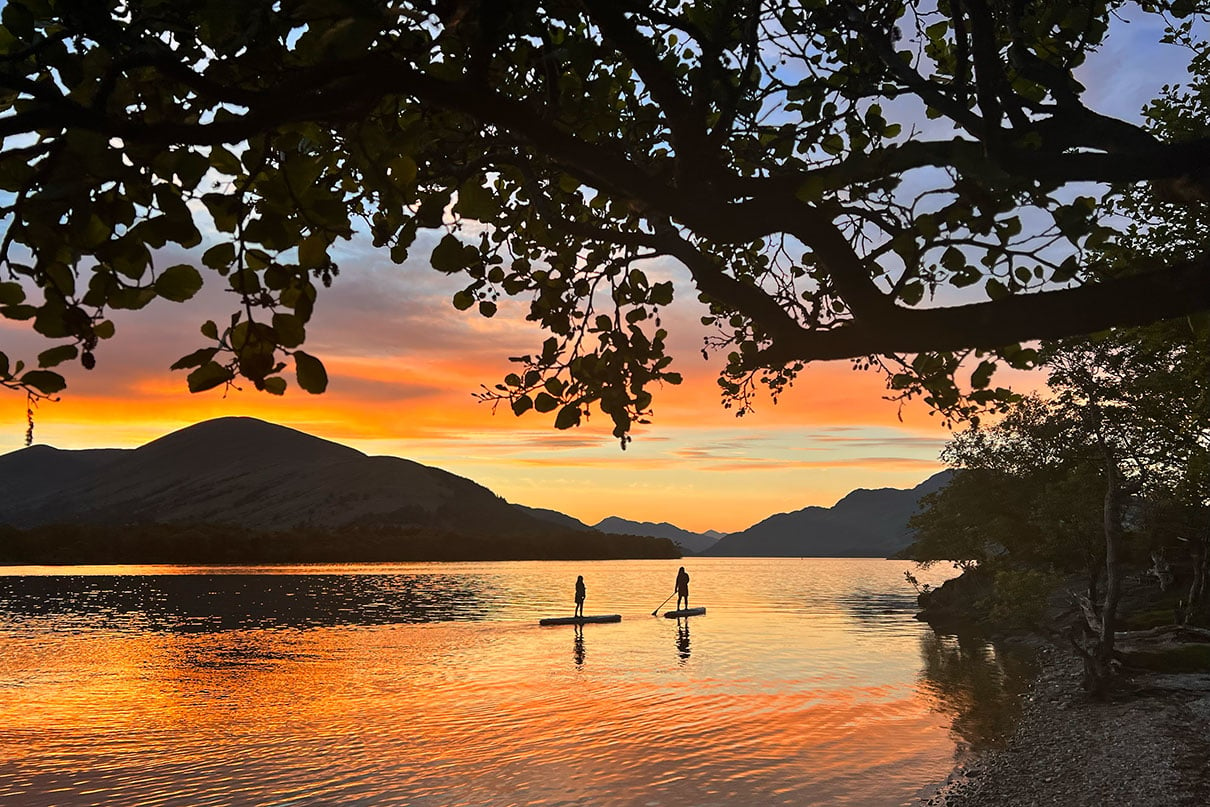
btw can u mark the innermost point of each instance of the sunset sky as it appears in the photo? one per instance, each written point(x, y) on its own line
point(403, 366)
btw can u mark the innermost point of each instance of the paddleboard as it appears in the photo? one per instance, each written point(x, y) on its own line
point(685, 612)
point(579, 620)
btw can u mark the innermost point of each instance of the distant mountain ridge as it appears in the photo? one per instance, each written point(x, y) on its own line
point(263, 478)
point(555, 517)
point(695, 542)
point(865, 523)
point(258, 476)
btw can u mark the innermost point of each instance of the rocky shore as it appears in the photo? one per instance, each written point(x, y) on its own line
point(1149, 745)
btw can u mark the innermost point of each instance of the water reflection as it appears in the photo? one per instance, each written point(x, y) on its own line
point(209, 602)
point(977, 684)
point(788, 700)
point(682, 639)
point(242, 654)
point(577, 646)
point(875, 606)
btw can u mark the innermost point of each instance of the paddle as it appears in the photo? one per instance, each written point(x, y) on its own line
point(656, 612)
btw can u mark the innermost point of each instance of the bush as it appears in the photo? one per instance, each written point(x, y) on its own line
point(1020, 597)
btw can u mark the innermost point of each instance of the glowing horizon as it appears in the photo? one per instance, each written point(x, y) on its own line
point(407, 392)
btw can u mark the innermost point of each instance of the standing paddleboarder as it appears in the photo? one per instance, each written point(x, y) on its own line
point(580, 591)
point(682, 588)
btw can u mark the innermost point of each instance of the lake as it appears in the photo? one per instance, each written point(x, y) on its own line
point(807, 682)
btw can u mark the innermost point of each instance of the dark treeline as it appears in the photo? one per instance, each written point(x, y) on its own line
point(1101, 489)
point(204, 544)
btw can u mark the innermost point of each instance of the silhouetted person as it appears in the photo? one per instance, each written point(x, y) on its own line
point(580, 591)
point(682, 588)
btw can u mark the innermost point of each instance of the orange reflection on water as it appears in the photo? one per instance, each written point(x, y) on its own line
point(132, 703)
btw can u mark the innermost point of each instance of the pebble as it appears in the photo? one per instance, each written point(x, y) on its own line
point(1147, 749)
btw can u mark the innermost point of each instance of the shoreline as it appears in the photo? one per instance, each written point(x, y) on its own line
point(1147, 747)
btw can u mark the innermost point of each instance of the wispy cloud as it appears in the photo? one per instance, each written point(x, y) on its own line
point(898, 463)
point(403, 365)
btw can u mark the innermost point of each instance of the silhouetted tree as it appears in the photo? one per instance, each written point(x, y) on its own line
point(775, 149)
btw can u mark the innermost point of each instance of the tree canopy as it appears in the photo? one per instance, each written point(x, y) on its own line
point(916, 186)
point(1109, 468)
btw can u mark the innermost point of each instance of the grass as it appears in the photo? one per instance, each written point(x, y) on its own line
point(1151, 618)
point(1186, 658)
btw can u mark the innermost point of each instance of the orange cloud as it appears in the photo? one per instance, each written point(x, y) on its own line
point(403, 366)
point(903, 463)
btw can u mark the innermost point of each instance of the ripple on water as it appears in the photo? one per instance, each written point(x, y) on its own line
point(431, 684)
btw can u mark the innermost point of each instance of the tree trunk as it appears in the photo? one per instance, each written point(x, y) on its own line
point(1161, 569)
point(1197, 589)
point(1098, 666)
point(1095, 642)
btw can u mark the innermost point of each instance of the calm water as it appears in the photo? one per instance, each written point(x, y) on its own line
point(806, 683)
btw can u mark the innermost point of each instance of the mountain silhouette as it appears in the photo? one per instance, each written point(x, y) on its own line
point(555, 517)
point(864, 524)
point(252, 475)
point(695, 542)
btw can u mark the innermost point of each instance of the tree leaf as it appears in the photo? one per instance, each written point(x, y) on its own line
point(57, 355)
point(289, 329)
point(912, 292)
point(995, 289)
point(225, 161)
point(209, 375)
point(568, 416)
point(449, 256)
point(195, 359)
point(51, 320)
point(983, 374)
point(475, 201)
point(11, 294)
point(463, 300)
point(219, 256)
point(313, 252)
point(310, 372)
point(178, 283)
point(225, 210)
point(661, 293)
point(832, 144)
point(19, 312)
point(44, 381)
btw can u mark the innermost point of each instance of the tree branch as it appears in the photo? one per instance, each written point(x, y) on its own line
point(1133, 300)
